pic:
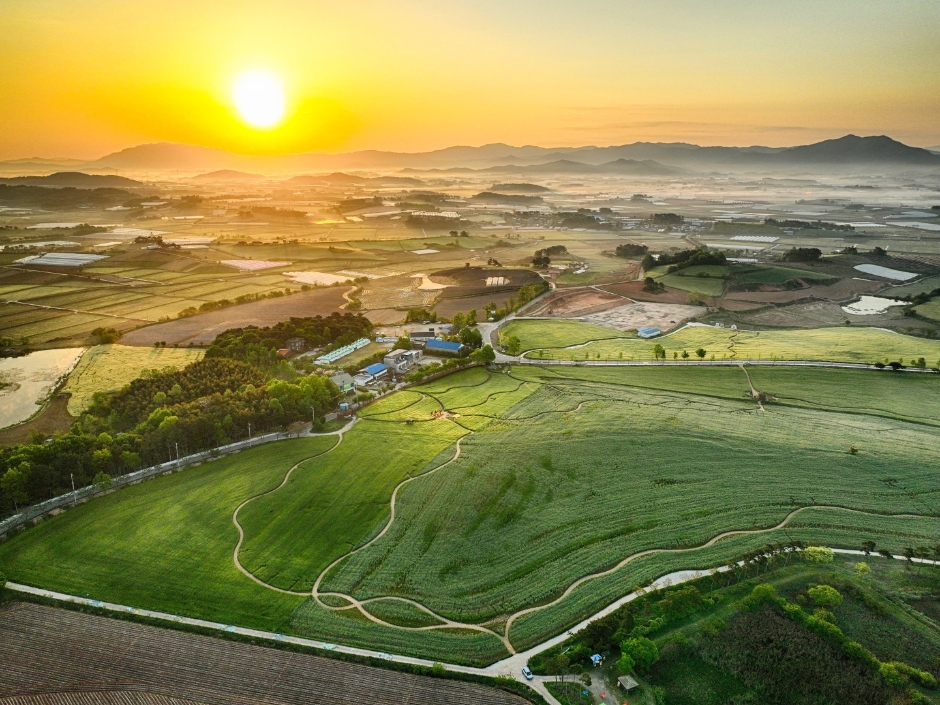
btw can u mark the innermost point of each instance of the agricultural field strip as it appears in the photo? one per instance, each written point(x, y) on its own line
point(505, 637)
point(507, 666)
point(357, 604)
point(75, 310)
point(241, 532)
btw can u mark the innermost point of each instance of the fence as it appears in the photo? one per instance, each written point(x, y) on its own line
point(37, 510)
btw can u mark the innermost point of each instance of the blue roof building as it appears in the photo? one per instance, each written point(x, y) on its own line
point(444, 347)
point(375, 369)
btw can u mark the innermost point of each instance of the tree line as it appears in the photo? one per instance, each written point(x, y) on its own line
point(155, 418)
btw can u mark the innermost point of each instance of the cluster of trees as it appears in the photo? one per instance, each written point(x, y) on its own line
point(155, 418)
point(420, 315)
point(815, 225)
point(462, 233)
point(684, 259)
point(259, 346)
point(802, 254)
point(629, 249)
point(667, 219)
point(434, 222)
point(542, 258)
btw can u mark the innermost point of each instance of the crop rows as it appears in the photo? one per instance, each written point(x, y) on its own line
point(46, 649)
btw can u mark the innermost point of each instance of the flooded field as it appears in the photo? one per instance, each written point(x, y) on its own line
point(871, 305)
point(28, 380)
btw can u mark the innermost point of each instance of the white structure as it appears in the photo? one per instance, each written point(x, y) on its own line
point(400, 360)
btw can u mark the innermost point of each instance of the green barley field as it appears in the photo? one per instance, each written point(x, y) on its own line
point(562, 473)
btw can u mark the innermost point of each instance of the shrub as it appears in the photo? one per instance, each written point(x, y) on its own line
point(818, 554)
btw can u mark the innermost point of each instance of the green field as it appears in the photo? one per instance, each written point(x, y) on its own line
point(779, 275)
point(105, 368)
point(561, 473)
point(930, 310)
point(557, 333)
point(860, 345)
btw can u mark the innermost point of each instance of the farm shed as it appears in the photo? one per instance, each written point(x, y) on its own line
point(371, 374)
point(343, 382)
point(444, 347)
point(628, 683)
point(421, 337)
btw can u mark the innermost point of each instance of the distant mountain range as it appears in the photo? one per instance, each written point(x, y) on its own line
point(75, 179)
point(637, 159)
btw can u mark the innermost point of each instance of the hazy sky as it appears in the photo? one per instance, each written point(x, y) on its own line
point(84, 77)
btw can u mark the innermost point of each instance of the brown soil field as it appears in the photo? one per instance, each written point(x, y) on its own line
point(53, 418)
point(633, 315)
point(815, 314)
point(202, 329)
point(45, 650)
point(843, 290)
point(385, 316)
point(569, 303)
point(634, 290)
point(448, 307)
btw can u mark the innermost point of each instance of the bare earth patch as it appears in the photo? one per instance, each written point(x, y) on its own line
point(635, 315)
point(202, 329)
point(568, 303)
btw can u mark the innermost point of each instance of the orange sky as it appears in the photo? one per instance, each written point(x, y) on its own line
point(81, 78)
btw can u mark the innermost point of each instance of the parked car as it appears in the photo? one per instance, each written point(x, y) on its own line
point(527, 673)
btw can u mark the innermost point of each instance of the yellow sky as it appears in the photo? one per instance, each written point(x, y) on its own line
point(85, 77)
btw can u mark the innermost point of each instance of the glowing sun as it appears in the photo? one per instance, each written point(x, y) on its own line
point(259, 98)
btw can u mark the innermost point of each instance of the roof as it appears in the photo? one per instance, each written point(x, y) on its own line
point(340, 378)
point(445, 345)
point(627, 682)
point(374, 369)
point(395, 353)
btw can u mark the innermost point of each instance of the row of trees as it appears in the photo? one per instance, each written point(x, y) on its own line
point(684, 259)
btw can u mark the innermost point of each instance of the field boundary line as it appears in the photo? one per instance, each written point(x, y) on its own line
point(711, 542)
point(241, 532)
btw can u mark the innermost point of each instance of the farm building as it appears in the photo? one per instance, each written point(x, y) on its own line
point(296, 344)
point(344, 382)
point(401, 360)
point(421, 337)
point(371, 374)
point(647, 332)
point(444, 347)
point(628, 683)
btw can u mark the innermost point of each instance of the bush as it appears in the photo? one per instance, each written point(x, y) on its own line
point(818, 554)
point(825, 596)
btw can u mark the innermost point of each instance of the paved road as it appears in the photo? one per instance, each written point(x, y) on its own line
point(511, 666)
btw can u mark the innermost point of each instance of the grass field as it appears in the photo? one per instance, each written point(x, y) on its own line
point(105, 368)
point(864, 345)
point(566, 473)
point(930, 310)
point(560, 333)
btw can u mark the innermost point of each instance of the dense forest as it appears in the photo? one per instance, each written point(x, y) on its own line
point(259, 346)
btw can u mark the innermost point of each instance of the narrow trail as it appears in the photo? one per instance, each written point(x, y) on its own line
point(711, 542)
point(446, 623)
point(754, 393)
point(360, 604)
point(241, 531)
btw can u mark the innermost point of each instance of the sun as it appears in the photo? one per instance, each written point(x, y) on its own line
point(259, 98)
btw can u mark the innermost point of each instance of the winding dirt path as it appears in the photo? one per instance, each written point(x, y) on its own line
point(241, 531)
point(711, 542)
point(446, 623)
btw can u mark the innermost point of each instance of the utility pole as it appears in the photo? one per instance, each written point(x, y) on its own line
point(249, 435)
point(177, 456)
point(72, 476)
point(313, 418)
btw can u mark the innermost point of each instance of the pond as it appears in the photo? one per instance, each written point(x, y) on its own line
point(871, 305)
point(28, 380)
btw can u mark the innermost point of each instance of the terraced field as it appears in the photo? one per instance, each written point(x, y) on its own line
point(557, 334)
point(487, 511)
point(859, 345)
